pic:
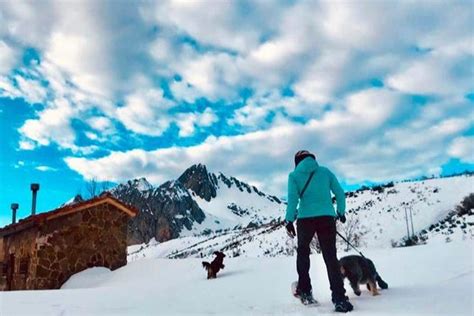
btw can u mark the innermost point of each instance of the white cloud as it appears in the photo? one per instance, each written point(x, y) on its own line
point(256, 113)
point(26, 144)
point(372, 106)
point(96, 44)
point(100, 123)
point(207, 118)
point(213, 75)
point(27, 22)
point(45, 83)
point(7, 89)
point(8, 58)
point(81, 59)
point(439, 72)
point(188, 122)
point(109, 59)
point(322, 79)
point(19, 164)
point(145, 112)
point(53, 124)
point(183, 91)
point(463, 148)
point(31, 90)
point(23, 86)
point(45, 168)
point(348, 141)
point(209, 22)
point(91, 135)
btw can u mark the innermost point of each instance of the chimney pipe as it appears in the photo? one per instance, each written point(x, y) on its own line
point(14, 207)
point(34, 187)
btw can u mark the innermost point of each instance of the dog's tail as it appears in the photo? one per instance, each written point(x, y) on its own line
point(206, 265)
point(381, 283)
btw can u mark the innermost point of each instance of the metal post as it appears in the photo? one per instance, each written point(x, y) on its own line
point(406, 219)
point(411, 219)
point(34, 187)
point(14, 207)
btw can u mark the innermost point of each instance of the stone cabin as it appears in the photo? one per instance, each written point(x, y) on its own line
point(42, 251)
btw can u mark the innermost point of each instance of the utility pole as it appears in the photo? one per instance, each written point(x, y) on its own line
point(406, 219)
point(411, 219)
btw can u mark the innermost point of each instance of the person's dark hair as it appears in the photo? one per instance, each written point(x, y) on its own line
point(302, 154)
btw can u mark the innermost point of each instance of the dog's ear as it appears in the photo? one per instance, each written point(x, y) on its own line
point(216, 253)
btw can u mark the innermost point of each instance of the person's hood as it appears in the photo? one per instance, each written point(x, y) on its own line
point(307, 165)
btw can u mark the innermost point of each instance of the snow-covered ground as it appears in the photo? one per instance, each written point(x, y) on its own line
point(433, 279)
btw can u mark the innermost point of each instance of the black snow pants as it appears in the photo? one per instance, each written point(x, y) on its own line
point(325, 228)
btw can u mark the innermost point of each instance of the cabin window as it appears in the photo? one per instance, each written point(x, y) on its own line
point(24, 264)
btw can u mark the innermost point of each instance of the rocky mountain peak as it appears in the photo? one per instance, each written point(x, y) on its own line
point(141, 184)
point(200, 181)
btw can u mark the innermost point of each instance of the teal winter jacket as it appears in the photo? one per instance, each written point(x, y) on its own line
point(317, 199)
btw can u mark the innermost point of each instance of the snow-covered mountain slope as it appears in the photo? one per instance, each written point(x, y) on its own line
point(457, 225)
point(228, 202)
point(197, 202)
point(375, 218)
point(433, 279)
point(381, 212)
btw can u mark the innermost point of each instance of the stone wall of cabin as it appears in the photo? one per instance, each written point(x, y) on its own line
point(66, 245)
point(69, 244)
point(22, 246)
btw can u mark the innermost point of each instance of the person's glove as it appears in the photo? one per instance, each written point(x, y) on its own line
point(290, 229)
point(342, 218)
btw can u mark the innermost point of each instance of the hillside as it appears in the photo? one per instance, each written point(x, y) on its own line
point(376, 216)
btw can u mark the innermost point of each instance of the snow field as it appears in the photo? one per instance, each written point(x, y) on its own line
point(433, 279)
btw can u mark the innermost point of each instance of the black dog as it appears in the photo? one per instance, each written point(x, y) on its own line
point(214, 267)
point(360, 270)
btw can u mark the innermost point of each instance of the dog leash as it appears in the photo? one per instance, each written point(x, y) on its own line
point(347, 241)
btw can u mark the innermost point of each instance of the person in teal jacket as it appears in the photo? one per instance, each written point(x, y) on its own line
point(310, 203)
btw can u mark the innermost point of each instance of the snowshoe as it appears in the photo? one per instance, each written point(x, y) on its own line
point(343, 306)
point(305, 298)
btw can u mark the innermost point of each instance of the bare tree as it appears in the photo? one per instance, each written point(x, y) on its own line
point(92, 188)
point(105, 186)
point(352, 230)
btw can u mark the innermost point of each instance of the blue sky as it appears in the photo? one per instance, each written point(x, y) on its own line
point(379, 90)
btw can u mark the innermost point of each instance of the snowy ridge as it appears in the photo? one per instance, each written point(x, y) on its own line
point(237, 204)
point(140, 184)
point(378, 216)
point(198, 202)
